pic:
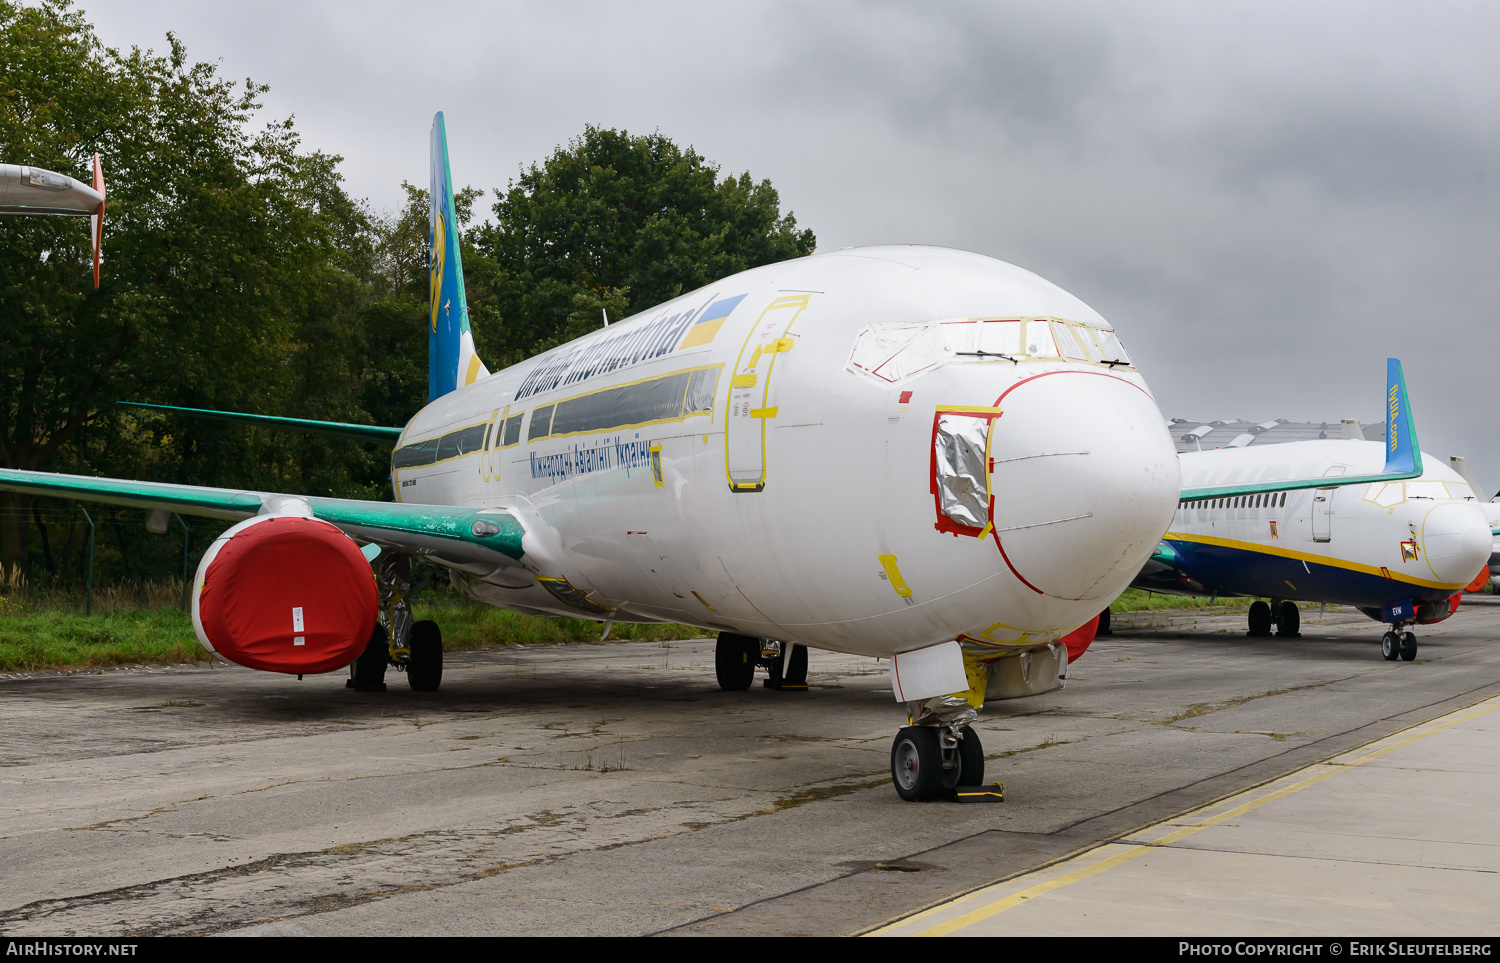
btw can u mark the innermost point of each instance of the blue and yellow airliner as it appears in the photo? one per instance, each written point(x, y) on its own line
point(1400, 550)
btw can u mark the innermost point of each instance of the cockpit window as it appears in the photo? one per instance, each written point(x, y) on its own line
point(892, 353)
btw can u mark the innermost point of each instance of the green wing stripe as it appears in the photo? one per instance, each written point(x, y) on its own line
point(188, 499)
point(332, 429)
point(435, 521)
point(495, 531)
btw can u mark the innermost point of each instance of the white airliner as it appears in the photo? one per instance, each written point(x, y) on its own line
point(1400, 550)
point(911, 453)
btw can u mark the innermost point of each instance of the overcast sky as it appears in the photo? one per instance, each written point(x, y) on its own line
point(1266, 199)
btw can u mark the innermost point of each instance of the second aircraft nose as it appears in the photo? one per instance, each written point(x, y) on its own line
point(1085, 481)
point(1456, 542)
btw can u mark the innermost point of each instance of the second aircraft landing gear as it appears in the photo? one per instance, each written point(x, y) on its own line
point(1396, 644)
point(737, 656)
point(1284, 615)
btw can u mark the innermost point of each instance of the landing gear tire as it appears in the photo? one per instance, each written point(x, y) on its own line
point(1290, 621)
point(1408, 647)
point(1103, 629)
point(970, 758)
point(1260, 620)
point(424, 665)
point(917, 763)
point(789, 671)
point(735, 657)
point(369, 668)
point(1390, 646)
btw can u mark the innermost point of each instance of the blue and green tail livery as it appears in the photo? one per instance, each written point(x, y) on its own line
point(1401, 452)
point(451, 360)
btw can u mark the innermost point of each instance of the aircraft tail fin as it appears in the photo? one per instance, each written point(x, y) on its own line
point(1402, 455)
point(452, 362)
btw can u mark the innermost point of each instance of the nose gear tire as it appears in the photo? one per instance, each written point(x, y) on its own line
point(1390, 646)
point(970, 758)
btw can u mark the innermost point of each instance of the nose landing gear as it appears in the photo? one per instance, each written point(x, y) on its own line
point(936, 762)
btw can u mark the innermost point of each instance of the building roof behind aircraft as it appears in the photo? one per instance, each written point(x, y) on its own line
point(1186, 433)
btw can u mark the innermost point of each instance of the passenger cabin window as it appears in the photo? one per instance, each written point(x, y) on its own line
point(512, 430)
point(541, 423)
point(454, 444)
point(668, 398)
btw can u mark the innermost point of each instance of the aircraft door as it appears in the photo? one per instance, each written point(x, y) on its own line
point(751, 401)
point(1322, 514)
point(489, 462)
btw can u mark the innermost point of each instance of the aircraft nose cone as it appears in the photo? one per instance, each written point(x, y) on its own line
point(1456, 541)
point(1085, 481)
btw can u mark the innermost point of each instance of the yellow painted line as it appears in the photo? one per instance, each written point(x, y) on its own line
point(1305, 557)
point(742, 381)
point(765, 412)
point(1328, 769)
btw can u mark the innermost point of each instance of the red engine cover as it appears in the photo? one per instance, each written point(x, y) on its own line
point(1079, 640)
point(285, 594)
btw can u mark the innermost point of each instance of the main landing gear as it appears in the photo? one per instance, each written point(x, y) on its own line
point(413, 647)
point(1284, 615)
point(1397, 644)
point(736, 658)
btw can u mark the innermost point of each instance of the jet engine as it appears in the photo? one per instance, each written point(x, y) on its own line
point(285, 593)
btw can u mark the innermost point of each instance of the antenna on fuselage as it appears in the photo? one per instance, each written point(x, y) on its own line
point(605, 312)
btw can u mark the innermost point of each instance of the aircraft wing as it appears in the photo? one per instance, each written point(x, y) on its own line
point(1403, 456)
point(464, 536)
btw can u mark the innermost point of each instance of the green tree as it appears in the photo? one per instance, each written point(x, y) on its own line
point(619, 223)
point(230, 256)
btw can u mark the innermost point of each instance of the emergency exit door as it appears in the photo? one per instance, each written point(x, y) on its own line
point(752, 402)
point(1322, 514)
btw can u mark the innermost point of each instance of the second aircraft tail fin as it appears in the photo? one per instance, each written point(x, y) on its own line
point(451, 359)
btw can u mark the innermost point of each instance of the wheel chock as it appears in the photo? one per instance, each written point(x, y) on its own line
point(993, 793)
point(784, 686)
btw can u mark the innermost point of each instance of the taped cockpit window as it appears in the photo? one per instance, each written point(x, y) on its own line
point(1038, 339)
point(962, 469)
point(890, 354)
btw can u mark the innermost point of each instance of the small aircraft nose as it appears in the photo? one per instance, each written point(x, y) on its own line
point(1085, 481)
point(1456, 541)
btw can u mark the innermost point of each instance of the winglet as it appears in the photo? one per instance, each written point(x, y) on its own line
point(1402, 454)
point(451, 360)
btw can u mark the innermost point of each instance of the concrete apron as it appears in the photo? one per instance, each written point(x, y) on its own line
point(1394, 838)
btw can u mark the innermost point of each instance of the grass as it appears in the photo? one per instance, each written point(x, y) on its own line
point(44, 627)
point(1136, 600)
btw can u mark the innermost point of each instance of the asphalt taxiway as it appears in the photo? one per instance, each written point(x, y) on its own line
point(612, 789)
